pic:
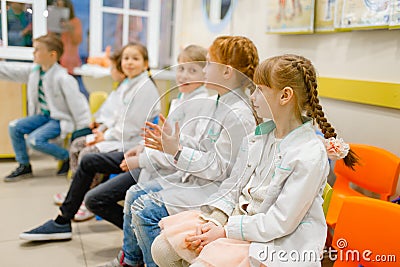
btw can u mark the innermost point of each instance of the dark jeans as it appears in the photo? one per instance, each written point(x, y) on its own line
point(103, 199)
point(110, 192)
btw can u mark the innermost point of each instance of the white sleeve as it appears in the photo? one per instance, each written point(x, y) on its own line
point(284, 216)
point(212, 165)
point(15, 71)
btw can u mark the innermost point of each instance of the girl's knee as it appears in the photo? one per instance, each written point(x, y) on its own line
point(163, 253)
point(133, 193)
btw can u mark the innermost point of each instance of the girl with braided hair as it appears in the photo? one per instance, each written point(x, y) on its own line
point(269, 211)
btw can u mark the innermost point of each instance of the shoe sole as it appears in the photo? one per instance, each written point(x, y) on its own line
point(18, 178)
point(45, 237)
point(83, 219)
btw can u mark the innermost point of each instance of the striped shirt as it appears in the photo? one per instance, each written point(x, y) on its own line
point(42, 99)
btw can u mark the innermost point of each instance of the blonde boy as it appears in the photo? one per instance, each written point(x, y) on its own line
point(55, 105)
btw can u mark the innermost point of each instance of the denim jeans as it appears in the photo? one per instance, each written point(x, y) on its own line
point(142, 214)
point(91, 164)
point(40, 130)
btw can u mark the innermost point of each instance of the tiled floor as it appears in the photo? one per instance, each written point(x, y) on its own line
point(29, 203)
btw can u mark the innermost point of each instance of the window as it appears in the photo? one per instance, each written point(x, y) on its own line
point(15, 15)
point(116, 22)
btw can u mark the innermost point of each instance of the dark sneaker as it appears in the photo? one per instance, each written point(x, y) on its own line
point(20, 172)
point(64, 168)
point(48, 231)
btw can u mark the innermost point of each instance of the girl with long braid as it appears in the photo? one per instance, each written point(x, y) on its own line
point(269, 211)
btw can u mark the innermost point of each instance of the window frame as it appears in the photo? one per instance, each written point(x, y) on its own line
point(153, 29)
point(39, 28)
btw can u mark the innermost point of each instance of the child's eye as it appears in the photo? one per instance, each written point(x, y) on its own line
point(181, 68)
point(192, 71)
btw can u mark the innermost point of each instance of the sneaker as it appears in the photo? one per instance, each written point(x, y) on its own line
point(59, 198)
point(64, 168)
point(83, 214)
point(48, 231)
point(19, 173)
point(118, 262)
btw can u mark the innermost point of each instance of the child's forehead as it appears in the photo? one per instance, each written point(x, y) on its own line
point(131, 50)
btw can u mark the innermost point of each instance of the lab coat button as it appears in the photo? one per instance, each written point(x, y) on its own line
point(249, 165)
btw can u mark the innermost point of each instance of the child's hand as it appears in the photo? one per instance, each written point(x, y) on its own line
point(193, 241)
point(99, 138)
point(135, 151)
point(210, 232)
point(129, 163)
point(94, 125)
point(159, 139)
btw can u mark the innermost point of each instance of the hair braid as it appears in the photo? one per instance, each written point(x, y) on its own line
point(314, 109)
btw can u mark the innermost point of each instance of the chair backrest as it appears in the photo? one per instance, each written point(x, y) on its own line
point(378, 171)
point(327, 195)
point(96, 99)
point(367, 233)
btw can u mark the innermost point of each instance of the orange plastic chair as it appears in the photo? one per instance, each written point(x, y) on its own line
point(378, 171)
point(367, 233)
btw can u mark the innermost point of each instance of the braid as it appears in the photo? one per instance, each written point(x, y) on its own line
point(314, 109)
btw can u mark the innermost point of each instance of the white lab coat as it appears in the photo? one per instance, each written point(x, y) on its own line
point(139, 103)
point(64, 100)
point(186, 109)
point(107, 110)
point(291, 216)
point(204, 164)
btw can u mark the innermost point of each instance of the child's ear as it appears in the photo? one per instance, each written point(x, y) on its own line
point(287, 95)
point(228, 71)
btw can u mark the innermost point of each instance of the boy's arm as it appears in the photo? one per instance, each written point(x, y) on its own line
point(76, 101)
point(15, 71)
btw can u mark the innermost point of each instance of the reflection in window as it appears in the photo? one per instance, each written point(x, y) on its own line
point(19, 24)
point(114, 25)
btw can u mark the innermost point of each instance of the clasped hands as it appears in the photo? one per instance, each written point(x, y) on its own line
point(161, 137)
point(205, 234)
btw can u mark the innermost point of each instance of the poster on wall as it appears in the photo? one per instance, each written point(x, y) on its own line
point(324, 15)
point(294, 16)
point(337, 23)
point(394, 22)
point(366, 14)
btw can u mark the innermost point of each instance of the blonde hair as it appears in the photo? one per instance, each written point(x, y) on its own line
point(193, 53)
point(298, 73)
point(53, 43)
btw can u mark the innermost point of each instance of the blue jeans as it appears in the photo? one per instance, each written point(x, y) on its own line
point(40, 130)
point(142, 214)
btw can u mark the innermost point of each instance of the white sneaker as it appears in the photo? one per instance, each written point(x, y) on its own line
point(59, 198)
point(83, 214)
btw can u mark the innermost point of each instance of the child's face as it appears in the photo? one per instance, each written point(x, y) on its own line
point(189, 76)
point(213, 74)
point(263, 98)
point(132, 62)
point(42, 56)
point(115, 74)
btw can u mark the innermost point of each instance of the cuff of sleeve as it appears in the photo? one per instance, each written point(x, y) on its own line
point(234, 227)
point(217, 216)
point(144, 159)
point(185, 158)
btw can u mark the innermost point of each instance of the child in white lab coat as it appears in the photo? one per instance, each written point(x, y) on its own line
point(203, 160)
point(269, 211)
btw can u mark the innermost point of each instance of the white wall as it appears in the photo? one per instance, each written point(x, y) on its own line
point(363, 55)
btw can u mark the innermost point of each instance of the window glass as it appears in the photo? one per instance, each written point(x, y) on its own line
point(113, 3)
point(19, 24)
